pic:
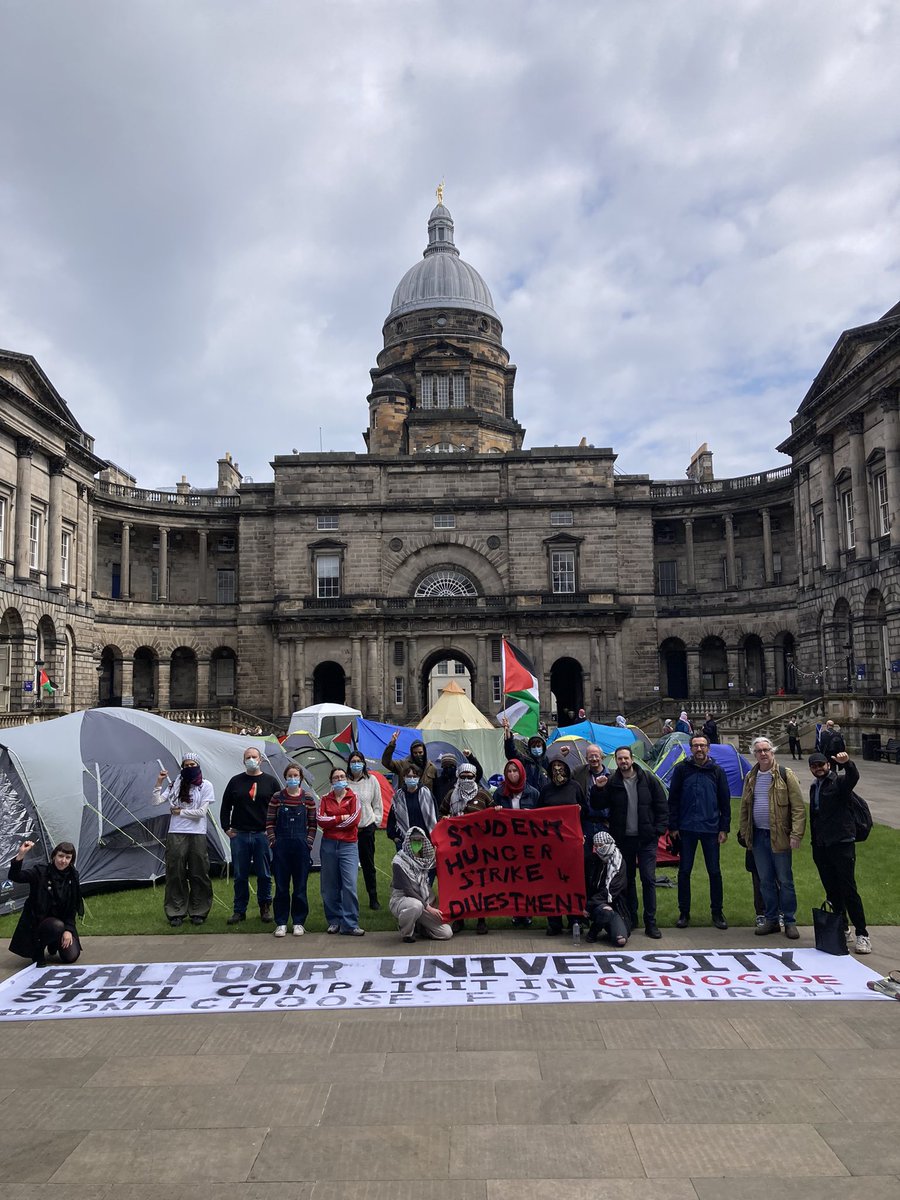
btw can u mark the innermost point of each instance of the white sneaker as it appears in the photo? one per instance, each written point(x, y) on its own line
point(299, 931)
point(280, 930)
point(850, 935)
point(761, 920)
point(863, 945)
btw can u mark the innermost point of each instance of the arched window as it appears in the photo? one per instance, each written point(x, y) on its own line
point(446, 583)
point(446, 448)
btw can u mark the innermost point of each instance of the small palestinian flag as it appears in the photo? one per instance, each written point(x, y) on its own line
point(344, 738)
point(520, 691)
point(46, 685)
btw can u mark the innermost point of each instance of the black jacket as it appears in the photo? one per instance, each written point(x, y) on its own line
point(653, 806)
point(596, 887)
point(537, 770)
point(445, 783)
point(831, 817)
point(39, 905)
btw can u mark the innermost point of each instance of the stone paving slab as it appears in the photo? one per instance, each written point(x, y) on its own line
point(864, 1101)
point(372, 1103)
point(745, 1064)
point(868, 1063)
point(144, 1071)
point(577, 1102)
point(742, 1100)
point(590, 1189)
point(311, 1066)
point(402, 1189)
point(726, 1150)
point(22, 1162)
point(872, 1149)
point(463, 1064)
point(760, 1032)
point(570, 1065)
point(176, 1156)
point(714, 1034)
point(529, 1151)
point(412, 1151)
point(872, 1187)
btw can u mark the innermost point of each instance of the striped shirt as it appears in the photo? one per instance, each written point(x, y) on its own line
point(761, 789)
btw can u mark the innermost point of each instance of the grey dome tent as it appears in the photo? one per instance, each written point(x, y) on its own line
point(88, 778)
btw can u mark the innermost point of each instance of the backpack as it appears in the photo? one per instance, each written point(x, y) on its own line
point(862, 817)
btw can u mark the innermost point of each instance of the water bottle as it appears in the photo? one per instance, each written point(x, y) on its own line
point(576, 933)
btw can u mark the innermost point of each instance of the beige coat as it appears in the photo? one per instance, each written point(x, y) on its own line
point(787, 814)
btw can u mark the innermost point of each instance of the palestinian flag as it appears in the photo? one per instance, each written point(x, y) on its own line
point(520, 691)
point(344, 738)
point(45, 684)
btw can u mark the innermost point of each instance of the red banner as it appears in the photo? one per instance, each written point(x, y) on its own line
point(508, 863)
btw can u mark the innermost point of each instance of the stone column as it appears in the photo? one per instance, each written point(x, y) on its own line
point(163, 676)
point(300, 671)
point(127, 677)
point(537, 657)
point(163, 563)
point(481, 692)
point(829, 501)
point(692, 654)
point(769, 658)
point(277, 675)
point(356, 688)
point(95, 552)
point(202, 566)
point(691, 580)
point(618, 686)
point(54, 525)
point(412, 682)
point(799, 521)
point(862, 528)
point(768, 560)
point(82, 529)
point(729, 550)
point(125, 568)
point(595, 702)
point(372, 688)
point(203, 699)
point(25, 447)
point(891, 418)
point(733, 659)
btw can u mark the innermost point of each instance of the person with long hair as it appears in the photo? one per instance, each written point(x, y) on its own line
point(338, 818)
point(47, 924)
point(188, 888)
point(291, 831)
point(368, 790)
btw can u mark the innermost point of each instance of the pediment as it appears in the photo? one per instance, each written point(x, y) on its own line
point(443, 351)
point(852, 348)
point(23, 375)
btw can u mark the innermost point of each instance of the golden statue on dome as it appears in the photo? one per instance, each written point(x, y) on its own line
point(439, 192)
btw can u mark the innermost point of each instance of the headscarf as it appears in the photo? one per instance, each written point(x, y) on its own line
point(417, 866)
point(506, 788)
point(609, 854)
point(682, 716)
point(620, 721)
point(465, 791)
point(192, 776)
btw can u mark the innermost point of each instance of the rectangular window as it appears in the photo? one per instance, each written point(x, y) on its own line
point(224, 682)
point(820, 538)
point(399, 689)
point(849, 530)
point(326, 521)
point(34, 541)
point(738, 572)
point(497, 689)
point(443, 391)
point(776, 566)
point(457, 390)
point(668, 578)
point(115, 583)
point(562, 570)
point(562, 516)
point(496, 650)
point(328, 576)
point(443, 668)
point(227, 544)
point(459, 668)
point(427, 397)
point(154, 585)
point(225, 589)
point(2, 528)
point(444, 521)
point(881, 504)
point(398, 654)
point(65, 551)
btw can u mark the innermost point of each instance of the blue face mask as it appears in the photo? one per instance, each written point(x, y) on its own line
point(251, 764)
point(292, 784)
point(412, 782)
point(356, 768)
point(537, 752)
point(338, 785)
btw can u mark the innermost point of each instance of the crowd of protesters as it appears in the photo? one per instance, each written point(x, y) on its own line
point(624, 812)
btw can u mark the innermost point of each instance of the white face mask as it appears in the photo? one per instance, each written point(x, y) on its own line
point(251, 764)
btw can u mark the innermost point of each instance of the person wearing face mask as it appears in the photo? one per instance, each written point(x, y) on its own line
point(412, 900)
point(537, 766)
point(515, 793)
point(413, 804)
point(418, 758)
point(338, 818)
point(606, 888)
point(562, 789)
point(291, 831)
point(446, 777)
point(467, 797)
point(188, 887)
point(368, 790)
point(47, 922)
point(245, 804)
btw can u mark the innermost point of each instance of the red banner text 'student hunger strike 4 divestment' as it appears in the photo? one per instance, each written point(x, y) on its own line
point(506, 863)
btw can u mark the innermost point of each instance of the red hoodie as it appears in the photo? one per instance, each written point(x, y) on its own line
point(338, 817)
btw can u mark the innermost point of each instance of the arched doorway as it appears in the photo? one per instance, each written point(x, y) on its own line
point(45, 660)
point(183, 679)
point(785, 663)
point(12, 656)
point(329, 684)
point(713, 666)
point(567, 687)
point(440, 668)
point(754, 666)
point(673, 669)
point(109, 693)
point(144, 679)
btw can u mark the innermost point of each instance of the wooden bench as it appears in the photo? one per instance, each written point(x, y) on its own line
point(890, 752)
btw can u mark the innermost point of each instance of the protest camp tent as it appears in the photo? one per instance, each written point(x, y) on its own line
point(608, 737)
point(728, 757)
point(323, 720)
point(454, 710)
point(88, 778)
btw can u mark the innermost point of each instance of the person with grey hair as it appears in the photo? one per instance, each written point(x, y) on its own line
point(772, 824)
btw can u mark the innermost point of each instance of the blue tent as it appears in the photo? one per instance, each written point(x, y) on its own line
point(372, 737)
point(728, 757)
point(608, 737)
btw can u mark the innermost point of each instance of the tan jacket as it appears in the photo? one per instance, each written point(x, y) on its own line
point(787, 814)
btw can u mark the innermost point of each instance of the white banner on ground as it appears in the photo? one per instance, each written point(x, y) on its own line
point(430, 981)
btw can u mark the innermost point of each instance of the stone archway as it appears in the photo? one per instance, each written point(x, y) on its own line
point(567, 686)
point(438, 668)
point(673, 669)
point(144, 679)
point(12, 661)
point(109, 693)
point(183, 678)
point(329, 683)
point(713, 667)
point(754, 665)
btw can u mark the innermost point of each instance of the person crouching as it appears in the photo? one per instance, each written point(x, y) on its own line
point(607, 892)
point(412, 900)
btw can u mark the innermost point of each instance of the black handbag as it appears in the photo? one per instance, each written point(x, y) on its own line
point(829, 930)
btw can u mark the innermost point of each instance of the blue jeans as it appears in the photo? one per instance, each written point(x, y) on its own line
point(247, 848)
point(688, 843)
point(290, 866)
point(340, 867)
point(776, 878)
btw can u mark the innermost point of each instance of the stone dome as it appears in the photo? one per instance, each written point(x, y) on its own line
point(389, 385)
point(442, 279)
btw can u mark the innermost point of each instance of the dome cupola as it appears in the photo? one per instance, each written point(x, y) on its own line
point(442, 279)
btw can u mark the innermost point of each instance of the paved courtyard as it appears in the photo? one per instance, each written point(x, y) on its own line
point(688, 1100)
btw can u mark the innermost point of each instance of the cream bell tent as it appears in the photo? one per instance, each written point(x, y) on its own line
point(454, 710)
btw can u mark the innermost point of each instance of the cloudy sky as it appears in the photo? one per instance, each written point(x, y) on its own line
point(677, 204)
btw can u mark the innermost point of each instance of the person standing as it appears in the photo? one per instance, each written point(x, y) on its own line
point(683, 725)
point(773, 821)
point(188, 886)
point(638, 815)
point(562, 789)
point(338, 818)
point(699, 815)
point(467, 797)
point(291, 831)
point(833, 832)
point(368, 789)
point(418, 758)
point(46, 925)
point(793, 731)
point(245, 805)
point(446, 778)
point(514, 792)
point(412, 804)
point(711, 729)
point(536, 763)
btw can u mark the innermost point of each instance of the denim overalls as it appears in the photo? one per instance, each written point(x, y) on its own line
point(290, 863)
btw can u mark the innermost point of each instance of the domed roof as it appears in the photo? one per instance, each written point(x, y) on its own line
point(442, 279)
point(389, 385)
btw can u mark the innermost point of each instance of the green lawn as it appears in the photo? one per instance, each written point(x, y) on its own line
point(139, 910)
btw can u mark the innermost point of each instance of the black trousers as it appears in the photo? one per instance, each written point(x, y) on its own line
point(796, 752)
point(837, 869)
point(50, 932)
point(640, 858)
point(366, 844)
point(605, 917)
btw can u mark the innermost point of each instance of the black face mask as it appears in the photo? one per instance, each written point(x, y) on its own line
point(448, 770)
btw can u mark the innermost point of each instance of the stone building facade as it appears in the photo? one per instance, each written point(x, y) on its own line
point(359, 573)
